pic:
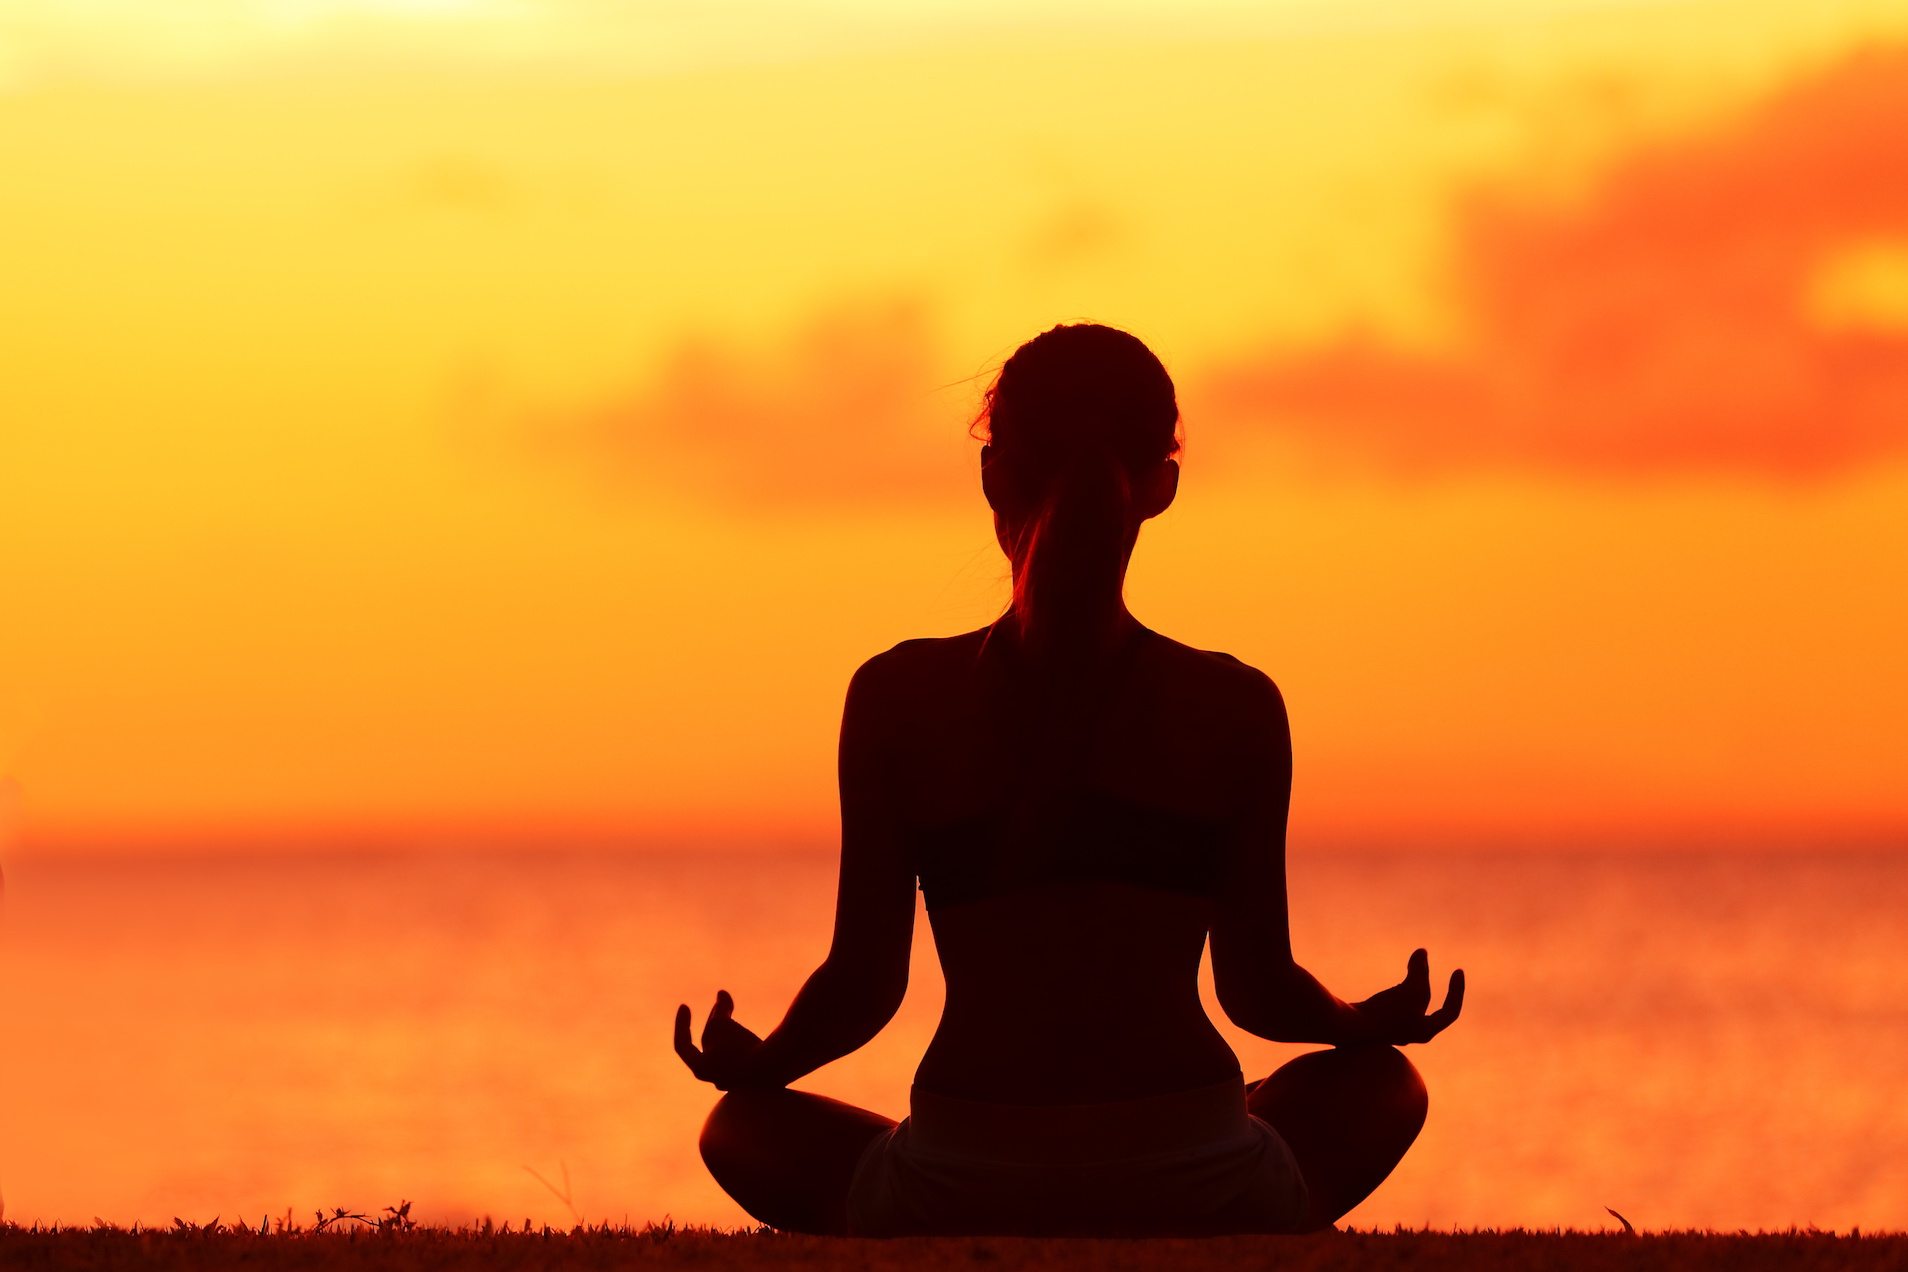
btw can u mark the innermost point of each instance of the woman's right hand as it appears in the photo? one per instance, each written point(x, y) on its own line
point(1399, 1015)
point(723, 1059)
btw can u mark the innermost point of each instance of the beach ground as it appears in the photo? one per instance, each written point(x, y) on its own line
point(665, 1248)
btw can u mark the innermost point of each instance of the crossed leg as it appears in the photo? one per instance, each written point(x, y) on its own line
point(1348, 1115)
point(787, 1157)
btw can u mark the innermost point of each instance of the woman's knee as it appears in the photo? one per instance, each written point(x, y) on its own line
point(1387, 1081)
point(787, 1157)
point(1389, 1070)
point(726, 1132)
point(1349, 1115)
point(1372, 1078)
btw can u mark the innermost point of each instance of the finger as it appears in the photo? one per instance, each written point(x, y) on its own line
point(1418, 980)
point(684, 1047)
point(1441, 1019)
point(719, 1016)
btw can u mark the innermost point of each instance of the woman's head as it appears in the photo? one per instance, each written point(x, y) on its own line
point(1081, 427)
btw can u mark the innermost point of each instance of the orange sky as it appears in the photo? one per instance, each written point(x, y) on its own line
point(422, 419)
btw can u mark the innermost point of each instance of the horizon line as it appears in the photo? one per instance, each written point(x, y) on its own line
point(795, 846)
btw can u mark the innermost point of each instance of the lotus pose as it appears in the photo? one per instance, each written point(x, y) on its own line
point(1083, 803)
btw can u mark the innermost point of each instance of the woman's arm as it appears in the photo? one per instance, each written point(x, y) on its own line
point(1259, 984)
point(860, 985)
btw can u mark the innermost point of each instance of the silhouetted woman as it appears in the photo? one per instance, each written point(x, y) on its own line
point(1083, 802)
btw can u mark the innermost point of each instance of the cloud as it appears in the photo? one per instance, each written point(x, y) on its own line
point(1669, 322)
point(1726, 303)
point(846, 411)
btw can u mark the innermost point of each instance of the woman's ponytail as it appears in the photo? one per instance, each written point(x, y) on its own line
point(1072, 553)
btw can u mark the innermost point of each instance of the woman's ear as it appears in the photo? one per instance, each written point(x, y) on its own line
point(988, 478)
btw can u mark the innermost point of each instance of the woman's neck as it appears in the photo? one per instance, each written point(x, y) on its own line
point(1082, 641)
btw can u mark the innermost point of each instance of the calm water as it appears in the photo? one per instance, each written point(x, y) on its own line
point(1695, 1041)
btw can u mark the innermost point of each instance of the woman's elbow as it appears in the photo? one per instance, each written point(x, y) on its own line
point(1263, 1012)
point(1268, 1025)
point(1247, 1012)
point(871, 994)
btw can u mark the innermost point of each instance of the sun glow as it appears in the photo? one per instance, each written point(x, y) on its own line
point(433, 436)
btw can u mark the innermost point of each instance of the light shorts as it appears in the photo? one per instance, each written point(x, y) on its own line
point(1187, 1162)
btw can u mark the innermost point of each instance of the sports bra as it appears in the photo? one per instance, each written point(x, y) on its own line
point(1077, 836)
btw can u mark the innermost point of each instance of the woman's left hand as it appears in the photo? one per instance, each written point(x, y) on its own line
point(727, 1047)
point(1402, 1014)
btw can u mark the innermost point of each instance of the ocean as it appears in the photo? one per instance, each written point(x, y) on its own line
point(1706, 1040)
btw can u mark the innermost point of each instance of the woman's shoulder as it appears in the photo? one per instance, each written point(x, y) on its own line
point(1224, 674)
point(924, 651)
point(915, 662)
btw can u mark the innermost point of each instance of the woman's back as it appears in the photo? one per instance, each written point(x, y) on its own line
point(1069, 837)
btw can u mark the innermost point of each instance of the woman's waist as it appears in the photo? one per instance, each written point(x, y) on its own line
point(1191, 1119)
point(1054, 1062)
point(1080, 1012)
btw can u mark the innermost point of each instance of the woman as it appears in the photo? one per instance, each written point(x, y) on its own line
point(1083, 802)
